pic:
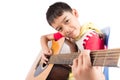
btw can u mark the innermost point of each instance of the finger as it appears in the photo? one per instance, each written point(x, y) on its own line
point(80, 59)
point(75, 64)
point(50, 52)
point(86, 59)
point(44, 59)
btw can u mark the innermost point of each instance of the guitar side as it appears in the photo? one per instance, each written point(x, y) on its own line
point(56, 47)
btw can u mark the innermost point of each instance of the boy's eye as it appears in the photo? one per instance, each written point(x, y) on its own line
point(67, 21)
point(59, 29)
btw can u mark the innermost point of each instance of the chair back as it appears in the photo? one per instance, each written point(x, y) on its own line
point(106, 32)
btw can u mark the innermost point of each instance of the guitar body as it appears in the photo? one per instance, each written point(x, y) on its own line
point(50, 71)
point(59, 72)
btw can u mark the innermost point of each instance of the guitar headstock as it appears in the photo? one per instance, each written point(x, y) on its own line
point(118, 62)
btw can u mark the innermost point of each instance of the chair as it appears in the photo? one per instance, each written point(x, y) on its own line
point(106, 32)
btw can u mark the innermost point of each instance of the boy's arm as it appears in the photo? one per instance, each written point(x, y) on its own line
point(49, 37)
point(46, 51)
point(44, 40)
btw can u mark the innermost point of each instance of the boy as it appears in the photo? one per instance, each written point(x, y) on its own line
point(65, 20)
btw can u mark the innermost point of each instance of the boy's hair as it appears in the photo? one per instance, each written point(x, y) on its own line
point(56, 10)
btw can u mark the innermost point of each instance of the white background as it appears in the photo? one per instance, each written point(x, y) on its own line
point(22, 22)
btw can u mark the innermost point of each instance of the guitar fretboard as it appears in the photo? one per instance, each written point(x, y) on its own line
point(108, 57)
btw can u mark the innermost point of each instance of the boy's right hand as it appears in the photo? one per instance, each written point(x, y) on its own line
point(45, 55)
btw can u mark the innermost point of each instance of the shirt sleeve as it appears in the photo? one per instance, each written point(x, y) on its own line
point(94, 42)
point(57, 36)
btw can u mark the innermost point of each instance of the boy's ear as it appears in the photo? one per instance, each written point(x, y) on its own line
point(74, 11)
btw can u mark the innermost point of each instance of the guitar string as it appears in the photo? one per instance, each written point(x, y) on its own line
point(93, 58)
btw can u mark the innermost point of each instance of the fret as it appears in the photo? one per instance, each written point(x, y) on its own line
point(94, 60)
point(105, 59)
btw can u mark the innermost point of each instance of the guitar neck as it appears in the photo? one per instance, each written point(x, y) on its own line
point(108, 57)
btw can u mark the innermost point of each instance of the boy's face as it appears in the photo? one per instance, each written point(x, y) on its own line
point(67, 24)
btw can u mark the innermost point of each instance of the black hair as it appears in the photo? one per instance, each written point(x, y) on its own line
point(56, 10)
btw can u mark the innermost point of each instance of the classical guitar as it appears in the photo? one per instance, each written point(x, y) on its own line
point(108, 58)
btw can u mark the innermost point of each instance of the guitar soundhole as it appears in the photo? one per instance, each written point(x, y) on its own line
point(43, 65)
point(40, 68)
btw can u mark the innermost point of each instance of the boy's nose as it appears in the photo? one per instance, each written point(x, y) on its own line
point(67, 31)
